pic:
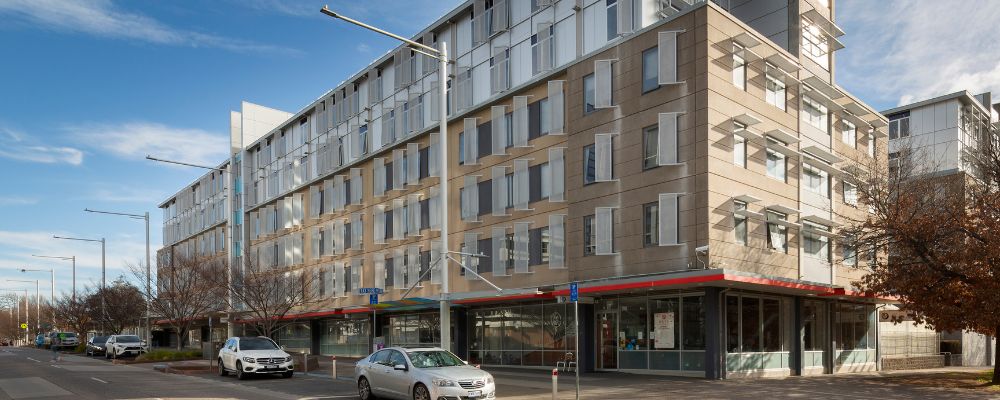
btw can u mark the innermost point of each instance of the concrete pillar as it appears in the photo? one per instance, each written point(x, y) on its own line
point(797, 343)
point(714, 352)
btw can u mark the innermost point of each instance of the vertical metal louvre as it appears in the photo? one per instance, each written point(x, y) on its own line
point(499, 191)
point(399, 268)
point(498, 125)
point(603, 150)
point(338, 271)
point(557, 241)
point(339, 230)
point(558, 171)
point(356, 274)
point(378, 224)
point(520, 119)
point(314, 202)
point(397, 169)
point(603, 86)
point(625, 17)
point(667, 140)
point(357, 186)
point(521, 255)
point(398, 227)
point(667, 51)
point(412, 265)
point(604, 230)
point(433, 158)
point(668, 223)
point(499, 251)
point(412, 163)
point(470, 199)
point(379, 260)
point(434, 203)
point(557, 107)
point(314, 243)
point(378, 177)
point(438, 265)
point(471, 138)
point(340, 191)
point(521, 184)
point(471, 247)
point(413, 215)
point(330, 238)
point(357, 231)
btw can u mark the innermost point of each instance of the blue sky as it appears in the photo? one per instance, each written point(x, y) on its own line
point(89, 87)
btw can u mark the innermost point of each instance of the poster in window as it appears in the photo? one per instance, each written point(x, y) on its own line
point(663, 325)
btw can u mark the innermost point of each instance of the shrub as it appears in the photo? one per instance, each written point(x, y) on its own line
point(169, 355)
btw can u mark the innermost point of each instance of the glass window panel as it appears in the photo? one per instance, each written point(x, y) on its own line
point(771, 332)
point(693, 323)
point(650, 69)
point(732, 324)
point(750, 324)
point(662, 308)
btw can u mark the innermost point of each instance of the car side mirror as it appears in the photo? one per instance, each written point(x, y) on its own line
point(465, 362)
point(283, 347)
point(399, 367)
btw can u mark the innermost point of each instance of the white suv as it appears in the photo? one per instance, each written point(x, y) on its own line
point(254, 355)
point(124, 345)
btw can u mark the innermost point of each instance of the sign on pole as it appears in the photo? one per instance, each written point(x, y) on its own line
point(373, 299)
point(24, 325)
point(574, 292)
point(370, 290)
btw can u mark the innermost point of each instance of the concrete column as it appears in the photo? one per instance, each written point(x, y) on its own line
point(714, 352)
point(586, 328)
point(797, 343)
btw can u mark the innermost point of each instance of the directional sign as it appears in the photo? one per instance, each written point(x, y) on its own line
point(370, 290)
point(373, 299)
point(574, 291)
point(24, 326)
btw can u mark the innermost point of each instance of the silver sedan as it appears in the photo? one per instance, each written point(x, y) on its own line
point(424, 373)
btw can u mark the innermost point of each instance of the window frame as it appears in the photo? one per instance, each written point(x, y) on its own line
point(739, 68)
point(651, 65)
point(650, 136)
point(590, 164)
point(589, 235)
point(651, 224)
point(591, 93)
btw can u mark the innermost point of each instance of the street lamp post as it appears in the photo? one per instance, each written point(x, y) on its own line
point(144, 217)
point(104, 278)
point(52, 289)
point(38, 302)
point(441, 55)
point(71, 258)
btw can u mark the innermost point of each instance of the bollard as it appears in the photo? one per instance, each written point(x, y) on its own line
point(555, 383)
point(305, 363)
point(334, 360)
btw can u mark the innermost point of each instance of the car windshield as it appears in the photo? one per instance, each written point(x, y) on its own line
point(101, 339)
point(128, 339)
point(257, 344)
point(68, 335)
point(433, 359)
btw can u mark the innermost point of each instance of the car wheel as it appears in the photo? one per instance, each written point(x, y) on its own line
point(239, 371)
point(420, 392)
point(222, 369)
point(287, 375)
point(107, 356)
point(365, 389)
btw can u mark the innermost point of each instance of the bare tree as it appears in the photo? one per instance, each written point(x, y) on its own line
point(266, 296)
point(187, 289)
point(124, 305)
point(76, 313)
point(941, 234)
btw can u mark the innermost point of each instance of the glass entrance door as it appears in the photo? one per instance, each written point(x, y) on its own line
point(608, 339)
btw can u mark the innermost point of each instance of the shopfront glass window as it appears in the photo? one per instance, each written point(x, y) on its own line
point(750, 324)
point(632, 333)
point(732, 324)
point(694, 323)
point(771, 328)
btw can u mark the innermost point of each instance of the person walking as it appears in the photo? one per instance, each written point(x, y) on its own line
point(56, 342)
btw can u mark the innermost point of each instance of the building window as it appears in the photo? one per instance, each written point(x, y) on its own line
point(850, 194)
point(777, 233)
point(740, 151)
point(814, 113)
point(739, 68)
point(650, 69)
point(815, 180)
point(740, 223)
point(849, 251)
point(589, 165)
point(589, 94)
point(542, 49)
point(650, 147)
point(544, 117)
point(899, 126)
point(650, 226)
point(849, 133)
point(775, 92)
point(589, 236)
point(363, 138)
point(871, 145)
point(612, 19)
point(816, 245)
point(776, 165)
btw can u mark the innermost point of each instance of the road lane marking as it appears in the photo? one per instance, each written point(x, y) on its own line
point(32, 359)
point(99, 380)
point(56, 366)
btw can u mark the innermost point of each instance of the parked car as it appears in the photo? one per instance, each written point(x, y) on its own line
point(40, 341)
point(419, 374)
point(245, 356)
point(124, 345)
point(96, 345)
point(67, 340)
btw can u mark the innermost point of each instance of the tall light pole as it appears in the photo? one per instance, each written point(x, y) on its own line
point(230, 328)
point(38, 301)
point(19, 311)
point(104, 278)
point(70, 258)
point(145, 217)
point(441, 55)
point(52, 290)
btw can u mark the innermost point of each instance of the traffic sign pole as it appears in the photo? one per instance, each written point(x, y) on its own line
point(574, 296)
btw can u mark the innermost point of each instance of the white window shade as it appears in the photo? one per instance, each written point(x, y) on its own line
point(557, 241)
point(413, 214)
point(378, 177)
point(287, 251)
point(378, 224)
point(498, 126)
point(667, 140)
point(297, 212)
point(314, 202)
point(667, 51)
point(470, 199)
point(328, 196)
point(314, 243)
point(378, 259)
point(557, 106)
point(434, 205)
point(603, 86)
point(437, 265)
point(669, 219)
point(398, 227)
point(357, 186)
point(521, 184)
point(398, 178)
point(357, 230)
point(412, 163)
point(471, 141)
point(357, 266)
point(557, 167)
point(471, 241)
point(338, 279)
point(339, 230)
point(433, 157)
point(358, 142)
point(330, 238)
point(340, 193)
point(499, 191)
point(399, 268)
point(412, 265)
point(521, 255)
point(603, 149)
point(499, 256)
point(297, 245)
point(604, 230)
point(625, 17)
point(520, 120)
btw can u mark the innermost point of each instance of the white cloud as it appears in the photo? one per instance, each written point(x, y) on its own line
point(104, 19)
point(17, 201)
point(902, 52)
point(363, 48)
point(126, 194)
point(135, 140)
point(20, 147)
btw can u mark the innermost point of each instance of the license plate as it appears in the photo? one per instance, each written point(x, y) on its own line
point(475, 393)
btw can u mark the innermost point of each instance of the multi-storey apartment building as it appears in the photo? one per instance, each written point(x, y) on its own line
point(680, 160)
point(937, 136)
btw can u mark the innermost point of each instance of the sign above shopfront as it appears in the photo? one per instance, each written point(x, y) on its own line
point(370, 290)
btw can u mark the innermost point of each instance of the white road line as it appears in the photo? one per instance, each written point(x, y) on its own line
point(98, 380)
point(56, 366)
point(32, 359)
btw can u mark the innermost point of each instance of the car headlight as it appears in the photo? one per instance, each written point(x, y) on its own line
point(289, 358)
point(442, 382)
point(489, 379)
point(248, 359)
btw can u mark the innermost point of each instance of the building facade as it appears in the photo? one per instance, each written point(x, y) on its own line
point(681, 161)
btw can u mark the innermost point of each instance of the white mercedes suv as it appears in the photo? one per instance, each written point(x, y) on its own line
point(254, 355)
point(423, 373)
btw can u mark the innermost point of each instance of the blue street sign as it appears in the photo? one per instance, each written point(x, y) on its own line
point(574, 291)
point(373, 299)
point(370, 290)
